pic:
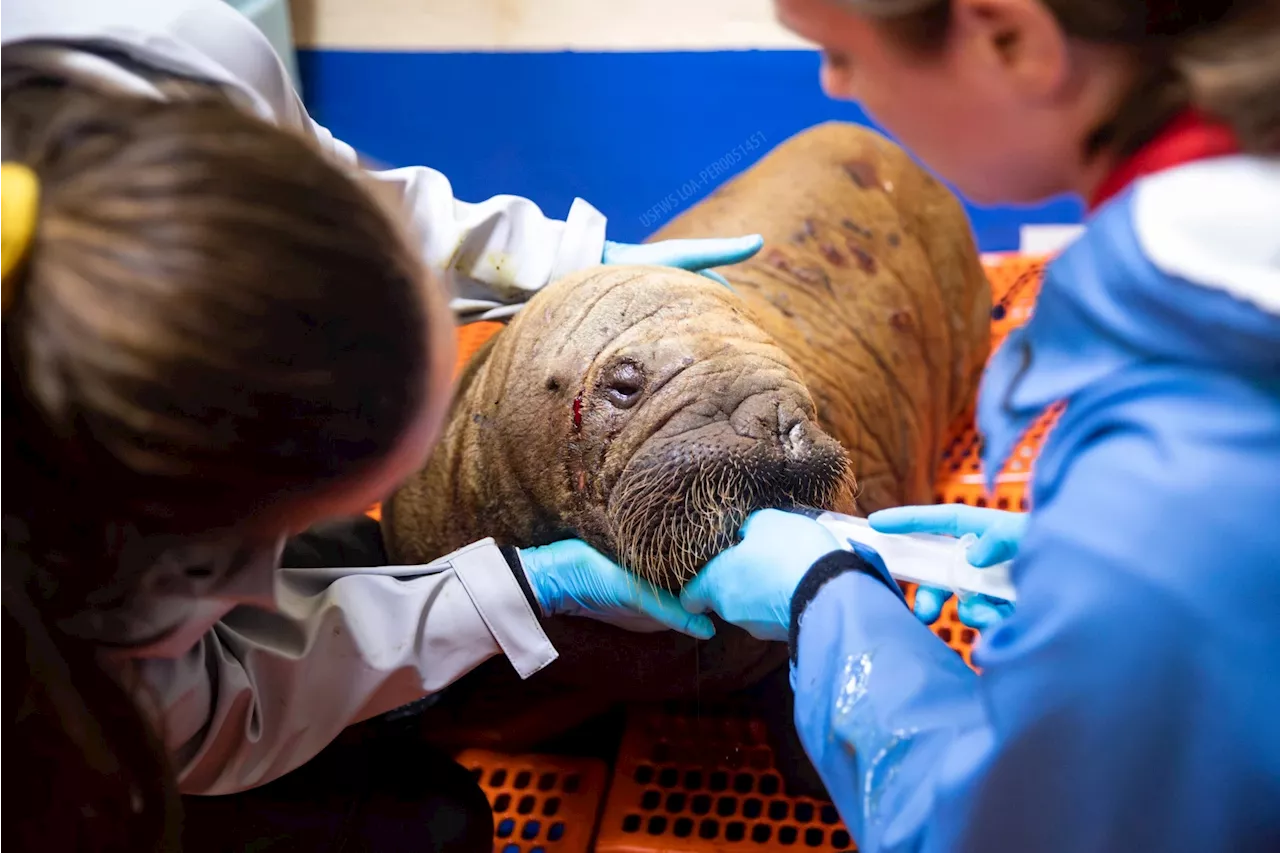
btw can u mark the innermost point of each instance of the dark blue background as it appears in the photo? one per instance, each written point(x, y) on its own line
point(622, 130)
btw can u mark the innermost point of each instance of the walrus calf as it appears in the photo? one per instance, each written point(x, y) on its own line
point(648, 410)
point(639, 408)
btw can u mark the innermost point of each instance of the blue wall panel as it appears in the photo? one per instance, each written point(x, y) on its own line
point(641, 136)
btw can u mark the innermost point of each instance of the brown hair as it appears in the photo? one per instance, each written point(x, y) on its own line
point(212, 317)
point(1219, 57)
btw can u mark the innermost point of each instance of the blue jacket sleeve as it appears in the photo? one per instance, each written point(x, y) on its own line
point(1128, 704)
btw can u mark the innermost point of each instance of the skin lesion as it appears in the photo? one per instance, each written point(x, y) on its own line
point(862, 173)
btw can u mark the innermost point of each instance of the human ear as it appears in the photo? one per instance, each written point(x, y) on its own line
point(1020, 42)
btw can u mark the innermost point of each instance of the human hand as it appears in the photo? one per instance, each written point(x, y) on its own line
point(571, 578)
point(998, 532)
point(751, 584)
point(693, 255)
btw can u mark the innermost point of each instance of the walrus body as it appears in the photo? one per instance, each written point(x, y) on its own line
point(648, 410)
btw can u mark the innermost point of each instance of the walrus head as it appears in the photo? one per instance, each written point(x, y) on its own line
point(684, 421)
point(643, 410)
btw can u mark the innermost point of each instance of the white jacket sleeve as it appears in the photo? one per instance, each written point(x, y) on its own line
point(494, 255)
point(265, 690)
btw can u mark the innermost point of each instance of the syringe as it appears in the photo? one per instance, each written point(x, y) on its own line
point(921, 558)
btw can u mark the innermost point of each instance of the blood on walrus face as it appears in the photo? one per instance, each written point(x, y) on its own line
point(641, 409)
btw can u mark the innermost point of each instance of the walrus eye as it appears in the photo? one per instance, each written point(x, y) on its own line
point(623, 384)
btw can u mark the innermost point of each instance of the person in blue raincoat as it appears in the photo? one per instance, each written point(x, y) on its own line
point(1131, 702)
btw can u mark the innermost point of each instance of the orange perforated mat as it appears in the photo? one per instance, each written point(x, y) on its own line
point(470, 338)
point(541, 803)
point(706, 781)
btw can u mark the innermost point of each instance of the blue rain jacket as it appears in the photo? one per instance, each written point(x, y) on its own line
point(1132, 701)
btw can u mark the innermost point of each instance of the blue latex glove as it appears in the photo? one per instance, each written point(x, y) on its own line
point(571, 578)
point(998, 535)
point(751, 584)
point(693, 255)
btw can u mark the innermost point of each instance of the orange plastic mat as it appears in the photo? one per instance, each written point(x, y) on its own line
point(470, 338)
point(541, 803)
point(707, 783)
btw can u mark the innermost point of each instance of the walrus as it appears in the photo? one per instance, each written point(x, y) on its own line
point(648, 411)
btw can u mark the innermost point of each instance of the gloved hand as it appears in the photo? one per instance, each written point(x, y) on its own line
point(751, 584)
point(998, 533)
point(571, 578)
point(693, 255)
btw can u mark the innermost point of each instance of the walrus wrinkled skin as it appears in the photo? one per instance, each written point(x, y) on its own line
point(638, 408)
point(871, 282)
point(648, 411)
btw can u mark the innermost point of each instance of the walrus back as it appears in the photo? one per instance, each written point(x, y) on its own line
point(871, 282)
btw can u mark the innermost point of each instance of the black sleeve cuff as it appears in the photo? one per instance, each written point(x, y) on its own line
point(829, 568)
point(512, 556)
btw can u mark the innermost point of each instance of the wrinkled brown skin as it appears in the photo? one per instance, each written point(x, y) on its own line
point(865, 317)
point(721, 425)
point(870, 280)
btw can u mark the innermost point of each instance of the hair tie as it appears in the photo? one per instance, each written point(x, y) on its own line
point(19, 207)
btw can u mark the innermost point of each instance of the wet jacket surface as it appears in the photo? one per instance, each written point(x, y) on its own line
point(1132, 701)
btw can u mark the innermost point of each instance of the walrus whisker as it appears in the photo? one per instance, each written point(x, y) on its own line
point(668, 521)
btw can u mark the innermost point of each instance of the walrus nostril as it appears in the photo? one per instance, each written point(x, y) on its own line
point(765, 417)
point(797, 441)
point(789, 417)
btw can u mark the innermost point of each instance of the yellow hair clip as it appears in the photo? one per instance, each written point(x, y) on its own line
point(19, 206)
